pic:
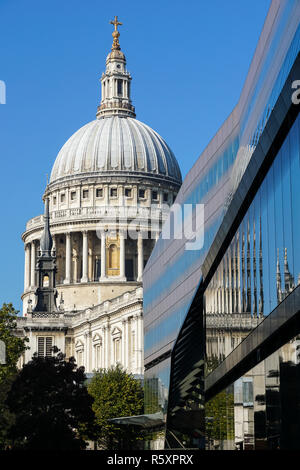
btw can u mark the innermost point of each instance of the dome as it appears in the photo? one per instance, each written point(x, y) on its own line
point(116, 145)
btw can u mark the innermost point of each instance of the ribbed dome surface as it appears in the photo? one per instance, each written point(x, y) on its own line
point(115, 144)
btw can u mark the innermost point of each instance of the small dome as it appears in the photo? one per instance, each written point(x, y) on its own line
point(115, 54)
point(116, 145)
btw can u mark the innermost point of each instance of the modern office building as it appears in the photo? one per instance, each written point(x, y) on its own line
point(221, 322)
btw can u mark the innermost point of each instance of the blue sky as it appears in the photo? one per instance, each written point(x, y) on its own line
point(188, 59)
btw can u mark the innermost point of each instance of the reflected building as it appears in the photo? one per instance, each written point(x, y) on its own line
point(288, 285)
point(234, 299)
point(264, 282)
point(221, 323)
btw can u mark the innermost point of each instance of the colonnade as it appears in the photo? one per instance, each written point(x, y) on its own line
point(31, 254)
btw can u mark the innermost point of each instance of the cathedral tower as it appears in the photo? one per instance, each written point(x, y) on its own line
point(46, 292)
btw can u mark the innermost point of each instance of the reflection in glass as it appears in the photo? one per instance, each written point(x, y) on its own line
point(261, 410)
point(262, 264)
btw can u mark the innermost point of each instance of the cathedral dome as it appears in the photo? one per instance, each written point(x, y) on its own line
point(113, 178)
point(115, 145)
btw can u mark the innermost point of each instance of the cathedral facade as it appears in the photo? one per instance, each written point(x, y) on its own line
point(110, 190)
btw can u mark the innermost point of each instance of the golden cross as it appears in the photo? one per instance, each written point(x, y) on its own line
point(116, 23)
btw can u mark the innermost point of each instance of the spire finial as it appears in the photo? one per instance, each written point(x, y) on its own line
point(116, 34)
point(115, 100)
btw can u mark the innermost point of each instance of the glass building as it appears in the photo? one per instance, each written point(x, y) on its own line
point(222, 321)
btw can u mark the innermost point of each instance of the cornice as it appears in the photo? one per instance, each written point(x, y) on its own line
point(105, 177)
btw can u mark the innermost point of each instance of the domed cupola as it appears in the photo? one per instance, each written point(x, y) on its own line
point(116, 143)
point(116, 82)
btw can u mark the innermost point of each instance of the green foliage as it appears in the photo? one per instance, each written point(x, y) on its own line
point(151, 392)
point(212, 363)
point(115, 394)
point(14, 348)
point(51, 404)
point(220, 417)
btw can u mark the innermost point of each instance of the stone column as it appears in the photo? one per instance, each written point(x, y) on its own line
point(106, 345)
point(103, 256)
point(128, 349)
point(85, 256)
point(140, 248)
point(27, 268)
point(75, 267)
point(87, 350)
point(102, 357)
point(33, 263)
point(90, 270)
point(68, 259)
point(122, 255)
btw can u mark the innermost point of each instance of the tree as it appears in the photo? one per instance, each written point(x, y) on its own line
point(220, 417)
point(115, 394)
point(52, 406)
point(14, 348)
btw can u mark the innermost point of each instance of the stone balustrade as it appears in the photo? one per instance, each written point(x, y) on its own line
point(236, 321)
point(93, 213)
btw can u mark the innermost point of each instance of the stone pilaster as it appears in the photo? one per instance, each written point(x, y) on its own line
point(124, 344)
point(85, 256)
point(140, 249)
point(87, 336)
point(122, 255)
point(136, 343)
point(27, 267)
point(107, 346)
point(33, 265)
point(68, 259)
point(103, 255)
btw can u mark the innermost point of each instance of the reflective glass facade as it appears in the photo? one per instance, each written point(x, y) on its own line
point(261, 264)
point(261, 410)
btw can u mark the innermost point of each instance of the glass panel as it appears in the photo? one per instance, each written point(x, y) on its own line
point(261, 410)
point(261, 266)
